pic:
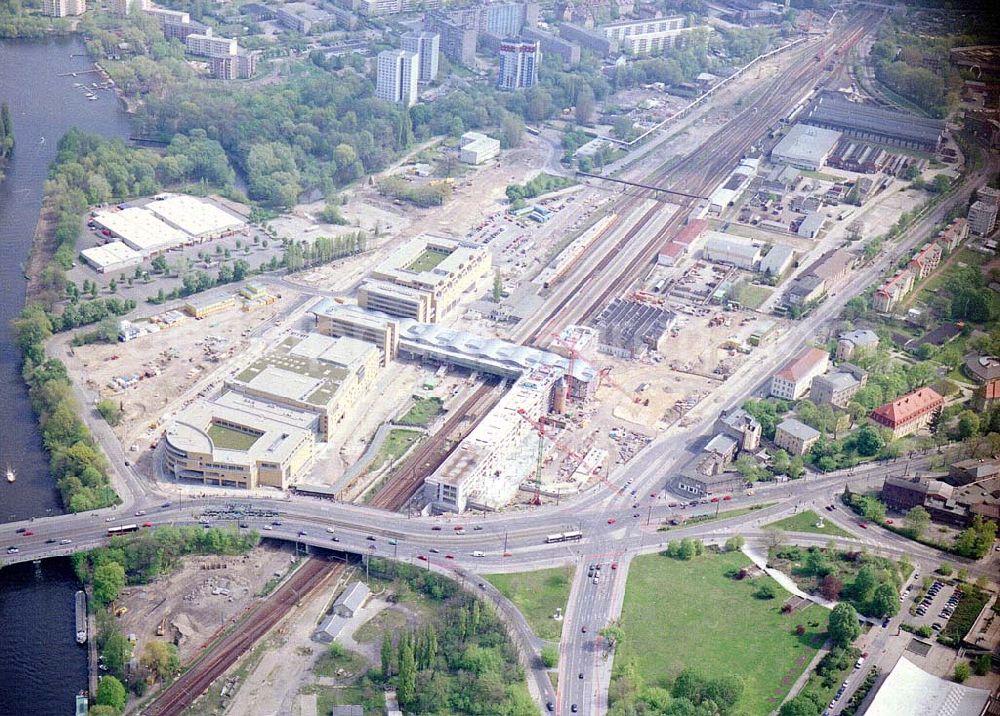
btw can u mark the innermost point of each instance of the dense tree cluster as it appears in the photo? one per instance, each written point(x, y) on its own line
point(462, 664)
point(6, 136)
point(917, 68)
point(541, 184)
point(690, 694)
point(422, 195)
point(74, 459)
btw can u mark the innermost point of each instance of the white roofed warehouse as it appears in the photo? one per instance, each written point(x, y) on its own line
point(199, 218)
point(111, 257)
point(805, 147)
point(141, 230)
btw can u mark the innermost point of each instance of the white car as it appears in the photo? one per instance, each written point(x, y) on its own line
point(330, 530)
point(268, 527)
point(65, 541)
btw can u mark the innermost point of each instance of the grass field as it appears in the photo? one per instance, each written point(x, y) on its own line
point(427, 261)
point(229, 439)
point(396, 443)
point(806, 522)
point(724, 514)
point(750, 295)
point(678, 614)
point(337, 657)
point(424, 410)
point(537, 595)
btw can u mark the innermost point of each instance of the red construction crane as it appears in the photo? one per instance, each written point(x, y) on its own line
point(604, 376)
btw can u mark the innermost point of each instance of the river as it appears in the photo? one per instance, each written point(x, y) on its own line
point(43, 667)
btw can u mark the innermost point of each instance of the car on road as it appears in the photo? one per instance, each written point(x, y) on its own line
point(422, 557)
point(65, 541)
point(449, 556)
point(583, 630)
point(714, 499)
point(276, 523)
point(888, 521)
point(370, 538)
point(436, 528)
point(549, 706)
point(140, 513)
point(268, 527)
point(459, 528)
point(477, 528)
point(614, 565)
point(335, 538)
point(885, 622)
point(109, 519)
point(611, 520)
point(50, 541)
point(21, 530)
point(302, 533)
point(165, 504)
point(581, 675)
point(863, 525)
point(573, 708)
point(435, 550)
point(28, 533)
point(727, 498)
point(936, 626)
point(392, 541)
point(12, 550)
point(636, 514)
point(245, 525)
point(330, 530)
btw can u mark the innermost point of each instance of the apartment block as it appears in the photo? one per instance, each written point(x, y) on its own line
point(982, 217)
point(426, 46)
point(794, 437)
point(519, 62)
point(839, 387)
point(908, 414)
point(63, 8)
point(892, 291)
point(926, 260)
point(398, 71)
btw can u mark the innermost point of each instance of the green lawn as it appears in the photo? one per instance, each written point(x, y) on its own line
point(396, 443)
point(751, 295)
point(806, 522)
point(337, 657)
point(424, 410)
point(537, 595)
point(229, 439)
point(678, 614)
point(427, 261)
point(712, 517)
point(370, 697)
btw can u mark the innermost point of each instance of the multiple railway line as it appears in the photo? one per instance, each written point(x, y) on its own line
point(181, 693)
point(429, 454)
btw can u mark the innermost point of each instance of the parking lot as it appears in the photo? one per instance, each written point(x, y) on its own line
point(936, 607)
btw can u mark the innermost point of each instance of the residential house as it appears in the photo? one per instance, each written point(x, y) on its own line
point(908, 414)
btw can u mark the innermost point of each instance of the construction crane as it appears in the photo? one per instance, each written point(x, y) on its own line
point(604, 376)
point(539, 427)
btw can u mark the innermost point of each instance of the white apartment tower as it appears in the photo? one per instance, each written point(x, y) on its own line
point(63, 8)
point(397, 77)
point(519, 61)
point(426, 45)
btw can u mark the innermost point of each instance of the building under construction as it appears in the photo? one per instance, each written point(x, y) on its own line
point(628, 329)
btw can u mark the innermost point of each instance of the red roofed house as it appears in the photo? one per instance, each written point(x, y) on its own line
point(926, 260)
point(689, 233)
point(669, 253)
point(889, 293)
point(795, 377)
point(908, 414)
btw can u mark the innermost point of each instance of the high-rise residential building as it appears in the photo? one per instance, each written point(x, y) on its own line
point(458, 42)
point(982, 217)
point(426, 46)
point(397, 77)
point(208, 45)
point(63, 8)
point(519, 61)
point(508, 19)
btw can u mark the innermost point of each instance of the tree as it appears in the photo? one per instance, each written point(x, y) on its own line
point(917, 520)
point(111, 692)
point(830, 587)
point(968, 424)
point(101, 710)
point(884, 602)
point(584, 112)
point(844, 627)
point(511, 131)
point(735, 543)
point(109, 578)
point(549, 656)
point(962, 671)
point(110, 411)
point(160, 657)
point(386, 656)
point(116, 653)
point(764, 591)
point(868, 441)
point(497, 287)
point(407, 682)
point(801, 705)
point(945, 569)
point(982, 664)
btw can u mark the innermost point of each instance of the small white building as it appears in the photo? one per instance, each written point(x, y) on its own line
point(730, 249)
point(111, 257)
point(477, 148)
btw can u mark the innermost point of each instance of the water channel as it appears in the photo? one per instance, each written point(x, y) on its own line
point(43, 667)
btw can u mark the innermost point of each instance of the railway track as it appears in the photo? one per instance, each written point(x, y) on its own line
point(428, 455)
point(697, 175)
point(196, 680)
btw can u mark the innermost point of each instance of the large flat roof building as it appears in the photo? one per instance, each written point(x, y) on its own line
point(629, 329)
point(200, 218)
point(110, 257)
point(874, 124)
point(805, 147)
point(440, 270)
point(910, 690)
point(312, 373)
point(141, 230)
point(336, 319)
point(731, 249)
point(224, 446)
point(477, 148)
point(483, 469)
